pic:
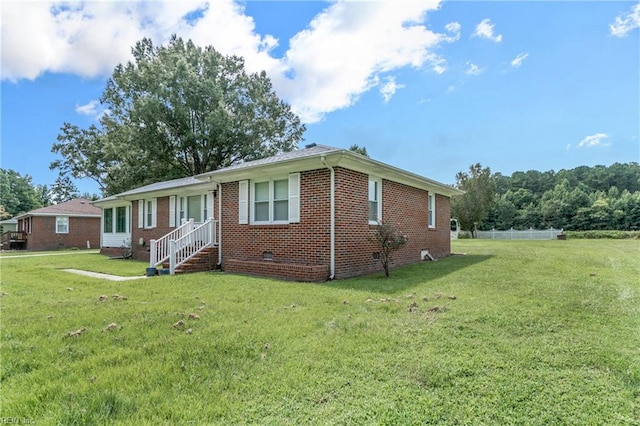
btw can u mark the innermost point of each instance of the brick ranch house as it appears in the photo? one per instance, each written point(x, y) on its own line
point(305, 215)
point(72, 224)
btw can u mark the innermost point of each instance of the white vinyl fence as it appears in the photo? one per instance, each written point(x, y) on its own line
point(527, 234)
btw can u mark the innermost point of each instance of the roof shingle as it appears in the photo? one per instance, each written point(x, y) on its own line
point(75, 207)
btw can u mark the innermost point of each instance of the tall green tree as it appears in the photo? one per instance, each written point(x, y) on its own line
point(177, 110)
point(560, 204)
point(17, 194)
point(43, 195)
point(362, 150)
point(473, 207)
point(62, 190)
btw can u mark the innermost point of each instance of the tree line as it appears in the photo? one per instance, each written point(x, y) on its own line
point(582, 198)
point(19, 195)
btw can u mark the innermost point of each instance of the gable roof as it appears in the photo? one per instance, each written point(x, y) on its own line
point(316, 156)
point(75, 207)
point(153, 188)
point(313, 156)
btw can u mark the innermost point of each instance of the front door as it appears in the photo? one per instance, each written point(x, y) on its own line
point(194, 208)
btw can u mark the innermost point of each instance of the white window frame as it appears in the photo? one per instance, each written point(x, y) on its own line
point(182, 211)
point(126, 220)
point(431, 207)
point(148, 213)
point(66, 224)
point(292, 199)
point(270, 201)
point(112, 210)
point(378, 194)
point(205, 207)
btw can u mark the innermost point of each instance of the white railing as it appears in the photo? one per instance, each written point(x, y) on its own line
point(159, 249)
point(188, 245)
point(526, 234)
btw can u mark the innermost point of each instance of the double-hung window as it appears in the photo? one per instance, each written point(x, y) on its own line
point(261, 201)
point(375, 200)
point(62, 224)
point(432, 210)
point(272, 201)
point(147, 213)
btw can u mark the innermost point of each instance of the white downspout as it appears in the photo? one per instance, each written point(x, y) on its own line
point(332, 214)
point(219, 224)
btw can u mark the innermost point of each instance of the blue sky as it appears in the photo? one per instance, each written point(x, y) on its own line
point(428, 86)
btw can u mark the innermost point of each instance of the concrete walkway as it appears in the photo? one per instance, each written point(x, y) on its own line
point(103, 276)
point(9, 256)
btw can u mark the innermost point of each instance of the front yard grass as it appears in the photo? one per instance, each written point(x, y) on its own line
point(510, 333)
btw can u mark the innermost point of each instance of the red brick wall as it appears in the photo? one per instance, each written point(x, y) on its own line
point(285, 271)
point(81, 229)
point(440, 237)
point(162, 228)
point(304, 243)
point(308, 242)
point(403, 206)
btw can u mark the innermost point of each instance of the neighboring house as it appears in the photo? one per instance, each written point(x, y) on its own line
point(305, 215)
point(75, 223)
point(8, 225)
point(10, 238)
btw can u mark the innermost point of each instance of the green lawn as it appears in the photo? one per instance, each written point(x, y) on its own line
point(510, 333)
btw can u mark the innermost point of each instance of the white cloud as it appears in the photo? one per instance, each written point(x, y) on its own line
point(389, 89)
point(485, 30)
point(349, 45)
point(455, 28)
point(517, 61)
point(623, 24)
point(86, 39)
point(340, 54)
point(88, 109)
point(592, 141)
point(473, 69)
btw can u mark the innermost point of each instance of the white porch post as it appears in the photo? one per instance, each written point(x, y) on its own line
point(153, 254)
point(172, 257)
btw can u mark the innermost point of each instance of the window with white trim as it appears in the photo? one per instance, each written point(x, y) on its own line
point(121, 219)
point(148, 221)
point(273, 201)
point(432, 210)
point(62, 224)
point(115, 220)
point(375, 200)
point(147, 213)
point(107, 221)
point(183, 210)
